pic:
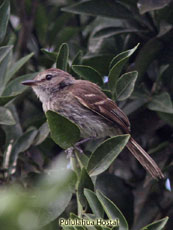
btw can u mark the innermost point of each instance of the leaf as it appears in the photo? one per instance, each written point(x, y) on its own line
point(22, 144)
point(51, 55)
point(94, 203)
point(88, 73)
point(62, 57)
point(82, 159)
point(110, 9)
point(73, 216)
point(146, 55)
point(5, 99)
point(125, 85)
point(6, 117)
point(150, 5)
point(117, 65)
point(98, 61)
point(161, 103)
point(112, 31)
point(5, 54)
point(123, 55)
point(13, 69)
point(63, 131)
point(5, 14)
point(112, 211)
point(105, 154)
point(77, 59)
point(156, 225)
point(15, 87)
point(84, 182)
point(42, 134)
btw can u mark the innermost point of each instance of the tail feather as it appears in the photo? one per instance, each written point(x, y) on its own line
point(146, 161)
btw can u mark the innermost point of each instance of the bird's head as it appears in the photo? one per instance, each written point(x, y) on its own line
point(48, 82)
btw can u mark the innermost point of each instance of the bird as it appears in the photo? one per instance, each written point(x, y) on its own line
point(84, 103)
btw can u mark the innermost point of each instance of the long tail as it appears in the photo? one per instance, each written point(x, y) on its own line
point(146, 161)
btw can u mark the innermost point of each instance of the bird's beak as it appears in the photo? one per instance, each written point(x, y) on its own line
point(29, 82)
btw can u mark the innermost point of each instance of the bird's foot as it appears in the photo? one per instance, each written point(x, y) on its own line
point(70, 151)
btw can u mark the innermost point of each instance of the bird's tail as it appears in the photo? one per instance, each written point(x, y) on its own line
point(146, 161)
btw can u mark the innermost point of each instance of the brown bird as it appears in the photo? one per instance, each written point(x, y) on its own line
point(84, 103)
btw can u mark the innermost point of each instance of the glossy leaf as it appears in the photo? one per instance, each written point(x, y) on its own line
point(150, 5)
point(6, 117)
point(94, 203)
point(106, 153)
point(63, 131)
point(125, 85)
point(14, 68)
point(84, 182)
point(161, 103)
point(5, 14)
point(62, 57)
point(112, 210)
point(157, 225)
point(90, 7)
point(117, 65)
point(88, 73)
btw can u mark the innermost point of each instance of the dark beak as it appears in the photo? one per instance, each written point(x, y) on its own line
point(29, 82)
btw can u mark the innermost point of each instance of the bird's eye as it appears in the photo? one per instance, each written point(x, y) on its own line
point(49, 77)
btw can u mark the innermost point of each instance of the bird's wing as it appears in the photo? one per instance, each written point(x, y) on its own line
point(90, 96)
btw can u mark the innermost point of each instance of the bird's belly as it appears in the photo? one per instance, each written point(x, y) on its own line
point(89, 123)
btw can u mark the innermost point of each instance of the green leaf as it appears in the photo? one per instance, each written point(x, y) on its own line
point(51, 55)
point(94, 203)
point(62, 57)
point(63, 131)
point(84, 182)
point(105, 154)
point(55, 192)
point(125, 85)
point(112, 211)
point(42, 134)
point(15, 87)
point(5, 54)
point(5, 14)
point(6, 117)
point(117, 65)
point(111, 9)
point(150, 5)
point(82, 159)
point(161, 103)
point(146, 55)
point(5, 99)
point(22, 144)
point(77, 59)
point(88, 73)
point(13, 69)
point(112, 31)
point(73, 216)
point(157, 225)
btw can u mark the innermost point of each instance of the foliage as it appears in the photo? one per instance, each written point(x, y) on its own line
point(126, 48)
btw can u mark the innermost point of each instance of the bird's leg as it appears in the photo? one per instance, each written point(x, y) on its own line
point(70, 150)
